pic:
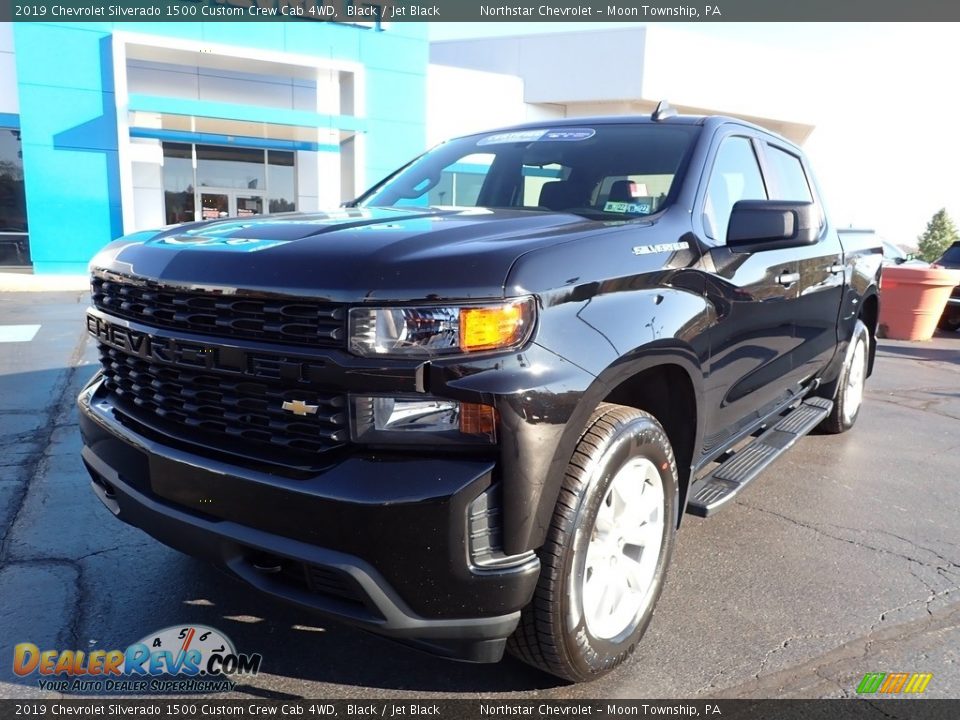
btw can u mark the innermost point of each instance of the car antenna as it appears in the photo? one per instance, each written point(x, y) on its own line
point(664, 110)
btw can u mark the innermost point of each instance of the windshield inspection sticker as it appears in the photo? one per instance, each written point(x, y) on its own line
point(632, 208)
point(544, 135)
point(663, 247)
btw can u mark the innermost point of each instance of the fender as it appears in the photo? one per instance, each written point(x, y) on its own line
point(528, 530)
point(864, 266)
point(831, 374)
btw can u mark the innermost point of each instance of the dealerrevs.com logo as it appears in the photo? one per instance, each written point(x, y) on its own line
point(184, 658)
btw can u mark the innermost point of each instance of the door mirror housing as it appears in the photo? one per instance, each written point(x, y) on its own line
point(772, 224)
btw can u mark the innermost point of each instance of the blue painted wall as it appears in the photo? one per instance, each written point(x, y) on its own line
point(68, 114)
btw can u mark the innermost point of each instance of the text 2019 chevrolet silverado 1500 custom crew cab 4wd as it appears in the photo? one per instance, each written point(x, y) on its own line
point(468, 410)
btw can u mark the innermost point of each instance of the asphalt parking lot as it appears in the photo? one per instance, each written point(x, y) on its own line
point(843, 559)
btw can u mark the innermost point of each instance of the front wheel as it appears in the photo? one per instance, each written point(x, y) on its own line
point(853, 376)
point(607, 550)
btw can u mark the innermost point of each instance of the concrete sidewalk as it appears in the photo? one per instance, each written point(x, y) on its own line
point(28, 282)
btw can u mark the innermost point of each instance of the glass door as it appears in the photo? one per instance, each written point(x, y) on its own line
point(219, 203)
point(207, 182)
point(214, 205)
point(247, 205)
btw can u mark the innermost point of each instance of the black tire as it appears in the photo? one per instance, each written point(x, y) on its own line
point(949, 321)
point(844, 414)
point(553, 634)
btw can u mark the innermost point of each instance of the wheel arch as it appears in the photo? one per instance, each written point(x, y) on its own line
point(870, 316)
point(664, 379)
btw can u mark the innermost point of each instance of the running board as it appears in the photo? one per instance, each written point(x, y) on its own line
point(710, 493)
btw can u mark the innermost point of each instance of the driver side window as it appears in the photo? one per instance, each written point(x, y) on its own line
point(735, 176)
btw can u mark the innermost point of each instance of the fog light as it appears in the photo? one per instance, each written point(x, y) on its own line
point(393, 415)
point(412, 420)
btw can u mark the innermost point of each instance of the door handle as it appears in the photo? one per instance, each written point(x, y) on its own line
point(788, 279)
point(836, 269)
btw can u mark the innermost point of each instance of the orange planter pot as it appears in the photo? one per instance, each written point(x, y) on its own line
point(912, 300)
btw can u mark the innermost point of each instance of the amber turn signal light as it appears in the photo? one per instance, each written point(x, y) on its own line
point(495, 326)
point(476, 419)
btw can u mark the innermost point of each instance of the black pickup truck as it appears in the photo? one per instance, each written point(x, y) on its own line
point(468, 409)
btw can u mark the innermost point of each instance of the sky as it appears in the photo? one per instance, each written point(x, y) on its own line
point(884, 99)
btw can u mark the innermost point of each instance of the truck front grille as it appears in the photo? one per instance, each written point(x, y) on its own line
point(220, 314)
point(232, 414)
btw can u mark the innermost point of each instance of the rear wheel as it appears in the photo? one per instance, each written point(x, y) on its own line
point(950, 320)
point(853, 376)
point(606, 554)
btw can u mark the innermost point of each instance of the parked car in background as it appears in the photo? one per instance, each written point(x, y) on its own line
point(892, 255)
point(950, 320)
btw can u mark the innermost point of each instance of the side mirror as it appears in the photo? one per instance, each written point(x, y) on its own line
point(772, 224)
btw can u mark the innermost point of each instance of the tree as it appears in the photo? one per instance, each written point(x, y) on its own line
point(940, 234)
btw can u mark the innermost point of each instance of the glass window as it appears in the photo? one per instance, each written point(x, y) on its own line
point(951, 257)
point(230, 167)
point(281, 181)
point(227, 181)
point(736, 176)
point(646, 192)
point(13, 206)
point(178, 196)
point(460, 182)
point(14, 246)
point(560, 169)
point(535, 177)
point(791, 182)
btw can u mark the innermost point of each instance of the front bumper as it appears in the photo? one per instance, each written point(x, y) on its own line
point(381, 542)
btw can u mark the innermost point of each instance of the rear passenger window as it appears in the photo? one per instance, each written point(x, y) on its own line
point(736, 176)
point(791, 181)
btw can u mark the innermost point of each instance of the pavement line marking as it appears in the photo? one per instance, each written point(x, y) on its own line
point(18, 333)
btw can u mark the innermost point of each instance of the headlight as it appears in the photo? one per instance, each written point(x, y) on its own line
point(431, 420)
point(429, 331)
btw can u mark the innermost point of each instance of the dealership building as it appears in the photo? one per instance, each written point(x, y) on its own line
point(110, 128)
point(107, 128)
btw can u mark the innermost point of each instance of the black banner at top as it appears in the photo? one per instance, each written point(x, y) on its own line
point(377, 12)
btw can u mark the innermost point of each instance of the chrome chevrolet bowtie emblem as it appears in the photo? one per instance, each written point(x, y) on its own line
point(299, 407)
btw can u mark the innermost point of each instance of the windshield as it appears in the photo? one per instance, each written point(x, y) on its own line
point(600, 171)
point(952, 256)
point(892, 252)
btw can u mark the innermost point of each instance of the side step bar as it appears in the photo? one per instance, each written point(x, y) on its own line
point(710, 493)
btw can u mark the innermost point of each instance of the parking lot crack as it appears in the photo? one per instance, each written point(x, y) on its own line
point(821, 529)
point(770, 654)
point(902, 402)
point(105, 551)
point(835, 665)
point(35, 463)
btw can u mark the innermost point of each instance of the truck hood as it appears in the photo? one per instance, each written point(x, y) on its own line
point(349, 255)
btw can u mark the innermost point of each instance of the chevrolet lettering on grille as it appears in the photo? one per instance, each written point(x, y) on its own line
point(299, 407)
point(182, 353)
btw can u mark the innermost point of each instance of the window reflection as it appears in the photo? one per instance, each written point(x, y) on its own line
point(14, 246)
point(230, 167)
point(281, 179)
point(178, 191)
point(226, 181)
